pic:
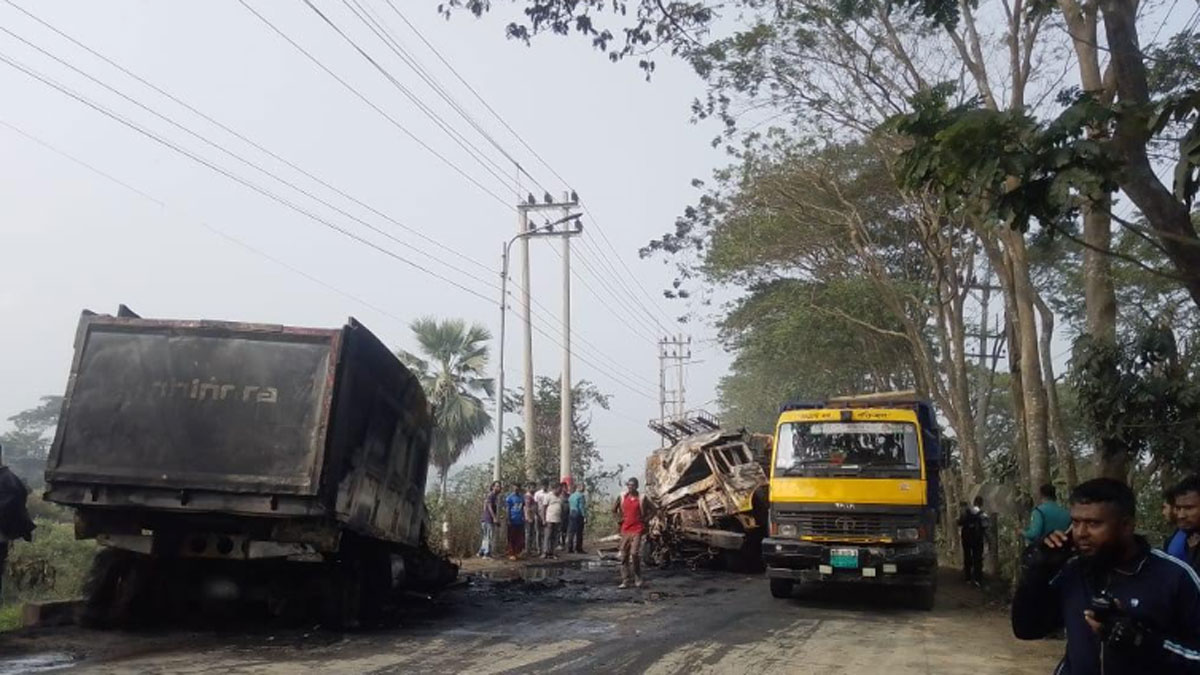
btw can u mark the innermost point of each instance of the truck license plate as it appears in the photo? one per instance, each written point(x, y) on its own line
point(845, 558)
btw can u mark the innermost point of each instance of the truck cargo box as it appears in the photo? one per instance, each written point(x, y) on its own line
point(323, 426)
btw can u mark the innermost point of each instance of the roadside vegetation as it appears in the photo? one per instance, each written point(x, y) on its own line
point(972, 200)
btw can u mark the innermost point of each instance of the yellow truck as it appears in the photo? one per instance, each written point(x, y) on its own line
point(854, 495)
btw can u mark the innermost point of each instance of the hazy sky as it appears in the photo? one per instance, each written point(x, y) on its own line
point(70, 239)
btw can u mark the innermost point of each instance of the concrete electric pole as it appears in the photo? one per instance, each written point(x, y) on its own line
point(568, 207)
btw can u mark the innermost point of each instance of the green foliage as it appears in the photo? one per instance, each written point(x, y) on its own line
point(52, 567)
point(26, 445)
point(586, 462)
point(1005, 164)
point(451, 369)
point(459, 509)
point(653, 23)
point(1141, 393)
point(789, 346)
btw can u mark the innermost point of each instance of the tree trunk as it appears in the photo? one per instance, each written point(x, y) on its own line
point(1064, 453)
point(1168, 217)
point(445, 474)
point(1003, 267)
point(1034, 393)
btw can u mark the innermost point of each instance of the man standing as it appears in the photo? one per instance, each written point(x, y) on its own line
point(1185, 545)
point(489, 520)
point(1047, 517)
point(533, 531)
point(972, 526)
point(516, 522)
point(1126, 607)
point(555, 505)
point(578, 503)
point(15, 522)
point(631, 510)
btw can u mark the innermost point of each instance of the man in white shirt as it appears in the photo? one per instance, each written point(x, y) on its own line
point(555, 508)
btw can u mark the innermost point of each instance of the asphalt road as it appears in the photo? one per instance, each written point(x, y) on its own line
point(576, 620)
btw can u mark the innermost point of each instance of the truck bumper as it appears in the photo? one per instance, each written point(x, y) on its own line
point(906, 565)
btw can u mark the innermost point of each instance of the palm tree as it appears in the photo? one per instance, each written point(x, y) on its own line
point(451, 365)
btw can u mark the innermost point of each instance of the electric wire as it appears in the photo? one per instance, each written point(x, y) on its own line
point(228, 174)
point(376, 108)
point(494, 169)
point(243, 138)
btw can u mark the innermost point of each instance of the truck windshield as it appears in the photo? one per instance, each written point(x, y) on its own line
point(875, 449)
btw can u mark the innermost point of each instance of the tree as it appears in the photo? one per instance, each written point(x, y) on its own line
point(451, 369)
point(28, 443)
point(787, 349)
point(586, 462)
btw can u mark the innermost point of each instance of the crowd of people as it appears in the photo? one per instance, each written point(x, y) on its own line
point(534, 521)
point(538, 521)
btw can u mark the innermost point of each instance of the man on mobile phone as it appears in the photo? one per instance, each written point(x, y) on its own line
point(1127, 608)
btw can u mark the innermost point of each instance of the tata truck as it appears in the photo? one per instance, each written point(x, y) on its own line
point(219, 462)
point(854, 495)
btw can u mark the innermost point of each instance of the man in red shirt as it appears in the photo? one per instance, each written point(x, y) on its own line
point(631, 510)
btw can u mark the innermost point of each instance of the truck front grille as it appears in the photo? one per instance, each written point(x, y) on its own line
point(848, 525)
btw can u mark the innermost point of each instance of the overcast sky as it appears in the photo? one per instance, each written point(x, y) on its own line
point(70, 239)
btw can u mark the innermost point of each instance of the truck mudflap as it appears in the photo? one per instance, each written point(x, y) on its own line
point(912, 564)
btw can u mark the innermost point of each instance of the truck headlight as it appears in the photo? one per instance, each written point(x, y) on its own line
point(908, 534)
point(787, 530)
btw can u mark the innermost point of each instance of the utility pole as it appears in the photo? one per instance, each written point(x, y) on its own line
point(522, 229)
point(547, 230)
point(565, 416)
point(568, 206)
point(677, 350)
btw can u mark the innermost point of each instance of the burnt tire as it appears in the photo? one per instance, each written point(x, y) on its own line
point(782, 588)
point(116, 589)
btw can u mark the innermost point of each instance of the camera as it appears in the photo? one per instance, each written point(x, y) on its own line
point(1104, 606)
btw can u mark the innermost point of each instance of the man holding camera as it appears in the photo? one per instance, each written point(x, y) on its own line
point(1126, 607)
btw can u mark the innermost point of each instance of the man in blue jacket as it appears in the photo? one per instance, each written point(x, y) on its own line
point(1127, 608)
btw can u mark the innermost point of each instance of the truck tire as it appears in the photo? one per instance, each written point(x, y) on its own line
point(782, 588)
point(115, 589)
point(924, 597)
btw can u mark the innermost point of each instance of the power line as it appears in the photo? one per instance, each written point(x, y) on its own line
point(246, 162)
point(250, 164)
point(243, 138)
point(220, 233)
point(462, 142)
point(242, 244)
point(375, 107)
point(224, 172)
point(412, 62)
point(600, 352)
point(462, 80)
point(596, 349)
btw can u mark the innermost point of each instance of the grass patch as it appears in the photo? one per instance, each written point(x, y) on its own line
point(51, 567)
point(10, 617)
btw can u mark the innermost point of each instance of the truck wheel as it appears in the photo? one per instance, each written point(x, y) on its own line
point(782, 588)
point(924, 596)
point(115, 588)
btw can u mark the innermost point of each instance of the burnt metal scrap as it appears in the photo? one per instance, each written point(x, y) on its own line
point(708, 490)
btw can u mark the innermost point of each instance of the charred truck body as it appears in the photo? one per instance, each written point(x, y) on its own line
point(231, 459)
point(854, 495)
point(709, 493)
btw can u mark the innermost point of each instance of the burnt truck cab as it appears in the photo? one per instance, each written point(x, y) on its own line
point(854, 495)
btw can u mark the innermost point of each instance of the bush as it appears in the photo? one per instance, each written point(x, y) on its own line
point(51, 567)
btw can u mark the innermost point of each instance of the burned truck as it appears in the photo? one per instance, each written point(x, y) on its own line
point(236, 462)
point(708, 490)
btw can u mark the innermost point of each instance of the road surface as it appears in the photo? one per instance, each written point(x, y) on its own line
point(574, 619)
